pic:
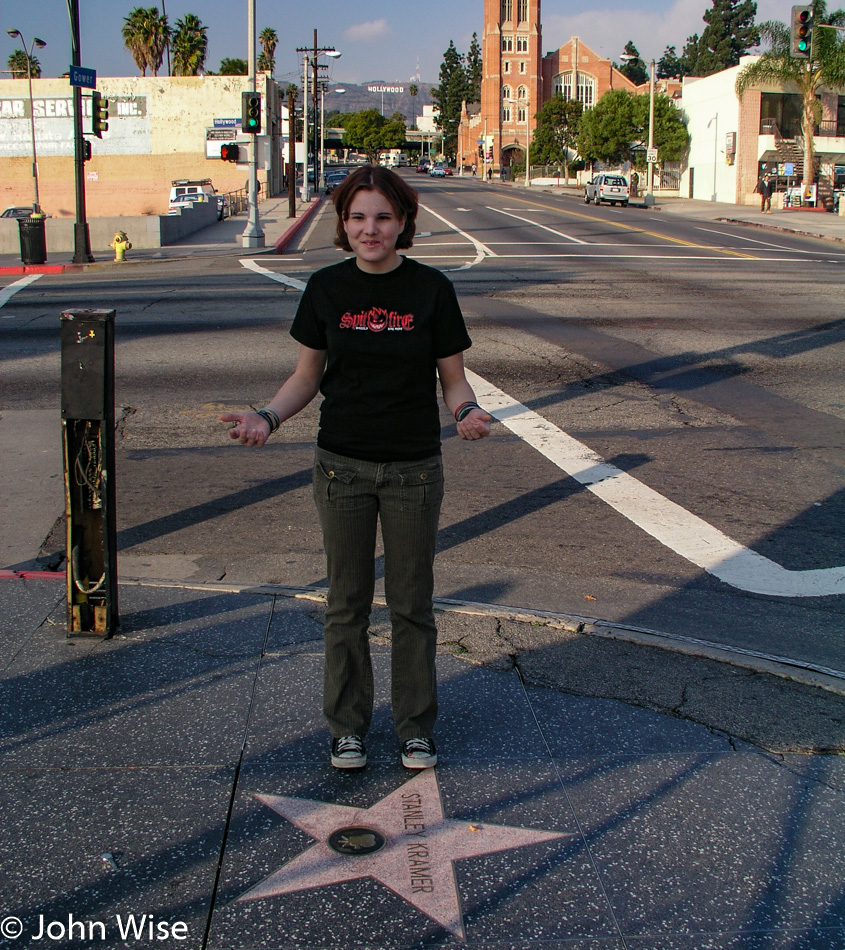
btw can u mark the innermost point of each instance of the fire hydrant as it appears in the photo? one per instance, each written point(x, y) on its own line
point(121, 245)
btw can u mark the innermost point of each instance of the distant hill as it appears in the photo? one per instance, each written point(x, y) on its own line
point(370, 95)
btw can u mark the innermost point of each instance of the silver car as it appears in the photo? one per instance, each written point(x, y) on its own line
point(611, 188)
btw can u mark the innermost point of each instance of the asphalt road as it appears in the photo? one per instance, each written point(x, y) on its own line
point(701, 365)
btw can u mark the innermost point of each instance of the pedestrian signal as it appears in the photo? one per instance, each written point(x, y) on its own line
point(230, 152)
point(801, 32)
point(99, 114)
point(250, 112)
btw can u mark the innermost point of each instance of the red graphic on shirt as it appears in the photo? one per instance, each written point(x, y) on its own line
point(376, 320)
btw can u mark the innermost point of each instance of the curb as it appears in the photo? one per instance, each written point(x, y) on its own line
point(785, 668)
point(281, 244)
point(781, 230)
point(41, 269)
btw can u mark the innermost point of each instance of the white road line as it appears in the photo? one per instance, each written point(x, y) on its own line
point(681, 531)
point(742, 237)
point(250, 264)
point(536, 225)
point(481, 250)
point(11, 289)
point(680, 256)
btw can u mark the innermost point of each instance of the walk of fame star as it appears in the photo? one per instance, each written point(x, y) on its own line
point(404, 841)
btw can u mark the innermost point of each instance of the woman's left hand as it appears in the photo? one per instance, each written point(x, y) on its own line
point(475, 425)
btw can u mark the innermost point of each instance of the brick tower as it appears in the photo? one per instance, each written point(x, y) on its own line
point(512, 70)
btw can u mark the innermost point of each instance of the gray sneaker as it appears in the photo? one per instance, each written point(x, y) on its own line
point(348, 752)
point(419, 754)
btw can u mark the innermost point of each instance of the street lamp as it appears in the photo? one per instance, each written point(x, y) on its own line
point(338, 92)
point(715, 150)
point(36, 207)
point(649, 197)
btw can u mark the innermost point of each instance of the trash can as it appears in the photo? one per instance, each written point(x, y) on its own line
point(33, 239)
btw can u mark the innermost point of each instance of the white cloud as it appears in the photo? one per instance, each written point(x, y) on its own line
point(371, 32)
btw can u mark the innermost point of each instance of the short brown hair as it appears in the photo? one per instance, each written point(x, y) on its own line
point(402, 198)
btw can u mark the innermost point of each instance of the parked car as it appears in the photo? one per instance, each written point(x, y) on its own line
point(335, 178)
point(185, 201)
point(437, 171)
point(223, 209)
point(16, 212)
point(612, 188)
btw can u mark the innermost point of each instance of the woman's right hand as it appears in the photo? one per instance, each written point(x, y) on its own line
point(249, 428)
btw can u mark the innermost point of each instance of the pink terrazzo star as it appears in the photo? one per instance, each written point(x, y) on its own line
point(403, 841)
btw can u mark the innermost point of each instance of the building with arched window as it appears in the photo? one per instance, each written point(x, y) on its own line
point(517, 79)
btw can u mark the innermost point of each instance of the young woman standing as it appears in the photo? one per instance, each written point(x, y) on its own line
point(375, 333)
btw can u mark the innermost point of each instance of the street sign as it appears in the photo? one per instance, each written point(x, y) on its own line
point(79, 76)
point(651, 155)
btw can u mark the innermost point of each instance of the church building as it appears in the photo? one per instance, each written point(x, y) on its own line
point(517, 79)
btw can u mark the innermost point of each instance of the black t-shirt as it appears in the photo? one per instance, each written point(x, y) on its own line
point(383, 334)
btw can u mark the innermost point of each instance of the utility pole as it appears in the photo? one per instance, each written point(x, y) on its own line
point(252, 235)
point(81, 240)
point(291, 151)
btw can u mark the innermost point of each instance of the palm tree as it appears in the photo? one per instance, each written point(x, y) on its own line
point(412, 92)
point(825, 67)
point(190, 45)
point(269, 40)
point(17, 65)
point(146, 35)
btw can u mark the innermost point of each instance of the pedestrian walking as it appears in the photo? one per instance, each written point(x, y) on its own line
point(765, 189)
point(473, 169)
point(375, 332)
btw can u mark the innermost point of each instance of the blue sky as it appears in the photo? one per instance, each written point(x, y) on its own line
point(378, 40)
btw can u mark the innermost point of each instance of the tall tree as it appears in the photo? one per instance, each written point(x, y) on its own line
point(729, 34)
point(474, 70)
point(233, 67)
point(371, 132)
point(17, 64)
point(269, 40)
point(615, 130)
point(189, 45)
point(632, 65)
point(777, 67)
point(449, 96)
point(557, 132)
point(413, 91)
point(146, 34)
point(690, 54)
point(670, 65)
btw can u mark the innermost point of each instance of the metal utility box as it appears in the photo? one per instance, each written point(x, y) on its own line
point(87, 347)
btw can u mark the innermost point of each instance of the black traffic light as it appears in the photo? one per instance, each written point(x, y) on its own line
point(801, 32)
point(230, 152)
point(86, 150)
point(99, 114)
point(251, 112)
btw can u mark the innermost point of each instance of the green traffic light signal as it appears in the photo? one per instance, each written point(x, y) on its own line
point(251, 112)
point(99, 114)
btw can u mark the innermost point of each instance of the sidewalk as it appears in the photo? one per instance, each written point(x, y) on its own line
point(180, 771)
point(223, 237)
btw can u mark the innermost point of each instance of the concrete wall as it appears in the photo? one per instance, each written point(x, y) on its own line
point(144, 231)
point(160, 129)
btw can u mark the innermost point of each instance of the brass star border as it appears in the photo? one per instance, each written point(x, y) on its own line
point(404, 841)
